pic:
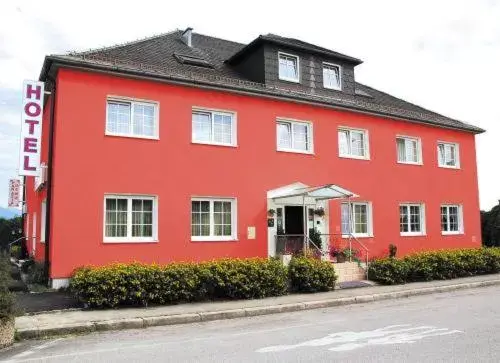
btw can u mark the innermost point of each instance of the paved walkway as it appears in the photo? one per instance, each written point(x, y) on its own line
point(66, 322)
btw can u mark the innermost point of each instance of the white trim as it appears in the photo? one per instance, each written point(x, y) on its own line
point(423, 231)
point(33, 236)
point(43, 219)
point(457, 155)
point(327, 64)
point(212, 111)
point(366, 140)
point(132, 102)
point(419, 150)
point(129, 238)
point(234, 219)
point(369, 219)
point(297, 80)
point(460, 219)
point(291, 121)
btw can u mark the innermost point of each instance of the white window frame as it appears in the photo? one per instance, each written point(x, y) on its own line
point(366, 156)
point(43, 219)
point(211, 111)
point(457, 155)
point(422, 220)
point(331, 65)
point(213, 237)
point(419, 149)
point(129, 238)
point(310, 141)
point(369, 220)
point(460, 219)
point(132, 102)
point(288, 79)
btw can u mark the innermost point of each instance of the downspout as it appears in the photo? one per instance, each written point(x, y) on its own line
point(24, 248)
point(48, 206)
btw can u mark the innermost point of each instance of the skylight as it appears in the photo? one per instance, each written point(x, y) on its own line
point(193, 60)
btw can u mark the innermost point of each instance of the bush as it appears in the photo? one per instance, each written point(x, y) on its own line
point(36, 272)
point(436, 265)
point(15, 251)
point(141, 284)
point(7, 309)
point(311, 275)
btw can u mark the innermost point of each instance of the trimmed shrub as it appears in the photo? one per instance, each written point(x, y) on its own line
point(141, 284)
point(7, 309)
point(436, 265)
point(311, 275)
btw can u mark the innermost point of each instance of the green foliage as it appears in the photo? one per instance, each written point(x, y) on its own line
point(9, 231)
point(15, 251)
point(315, 237)
point(436, 265)
point(7, 310)
point(311, 275)
point(490, 227)
point(141, 284)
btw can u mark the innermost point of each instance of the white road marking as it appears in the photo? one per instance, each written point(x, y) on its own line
point(34, 349)
point(349, 340)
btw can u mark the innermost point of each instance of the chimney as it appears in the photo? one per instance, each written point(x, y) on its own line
point(186, 36)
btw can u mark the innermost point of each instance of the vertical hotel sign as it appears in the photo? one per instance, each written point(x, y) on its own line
point(14, 187)
point(31, 129)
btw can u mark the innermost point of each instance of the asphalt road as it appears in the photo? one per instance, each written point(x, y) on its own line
point(463, 326)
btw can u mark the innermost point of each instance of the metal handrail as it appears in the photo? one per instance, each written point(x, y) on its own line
point(350, 236)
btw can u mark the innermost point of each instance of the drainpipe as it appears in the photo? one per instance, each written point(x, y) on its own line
point(24, 248)
point(48, 213)
point(304, 216)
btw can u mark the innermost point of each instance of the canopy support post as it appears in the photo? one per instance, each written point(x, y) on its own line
point(350, 227)
point(305, 224)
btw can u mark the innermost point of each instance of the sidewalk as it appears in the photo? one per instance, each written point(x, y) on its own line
point(70, 322)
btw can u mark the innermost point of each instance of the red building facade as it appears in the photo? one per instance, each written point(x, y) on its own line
point(146, 169)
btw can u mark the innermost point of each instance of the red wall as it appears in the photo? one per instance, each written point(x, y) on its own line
point(88, 164)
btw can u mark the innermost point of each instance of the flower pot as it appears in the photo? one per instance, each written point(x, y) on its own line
point(341, 258)
point(7, 329)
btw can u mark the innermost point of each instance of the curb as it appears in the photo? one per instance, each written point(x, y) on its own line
point(163, 320)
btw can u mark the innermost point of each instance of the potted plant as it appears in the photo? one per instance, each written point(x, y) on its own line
point(320, 211)
point(350, 254)
point(271, 212)
point(336, 254)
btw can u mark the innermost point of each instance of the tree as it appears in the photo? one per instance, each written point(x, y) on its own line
point(10, 230)
point(490, 226)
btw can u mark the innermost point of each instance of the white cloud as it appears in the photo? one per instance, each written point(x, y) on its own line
point(439, 54)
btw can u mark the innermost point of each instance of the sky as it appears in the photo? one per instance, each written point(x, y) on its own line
point(442, 55)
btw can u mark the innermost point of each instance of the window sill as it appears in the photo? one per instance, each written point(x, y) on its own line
point(410, 163)
point(129, 240)
point(293, 151)
point(413, 234)
point(213, 239)
point(132, 136)
point(289, 79)
point(451, 233)
point(212, 143)
point(332, 88)
point(449, 167)
point(358, 236)
point(354, 157)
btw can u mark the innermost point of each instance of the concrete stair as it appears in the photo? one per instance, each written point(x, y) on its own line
point(349, 271)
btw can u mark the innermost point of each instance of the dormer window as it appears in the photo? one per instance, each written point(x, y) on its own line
point(331, 76)
point(288, 67)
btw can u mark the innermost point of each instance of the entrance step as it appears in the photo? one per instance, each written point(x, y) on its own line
point(349, 271)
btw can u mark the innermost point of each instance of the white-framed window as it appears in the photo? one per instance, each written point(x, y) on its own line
point(294, 136)
point(360, 220)
point(451, 219)
point(353, 143)
point(213, 219)
point(43, 218)
point(132, 118)
point(213, 127)
point(448, 155)
point(332, 76)
point(409, 150)
point(130, 218)
point(412, 219)
point(288, 67)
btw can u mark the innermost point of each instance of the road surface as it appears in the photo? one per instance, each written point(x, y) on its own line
point(462, 326)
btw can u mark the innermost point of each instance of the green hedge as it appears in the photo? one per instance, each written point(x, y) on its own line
point(7, 309)
point(435, 265)
point(141, 284)
point(311, 275)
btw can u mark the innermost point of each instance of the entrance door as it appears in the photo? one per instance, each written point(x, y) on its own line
point(294, 220)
